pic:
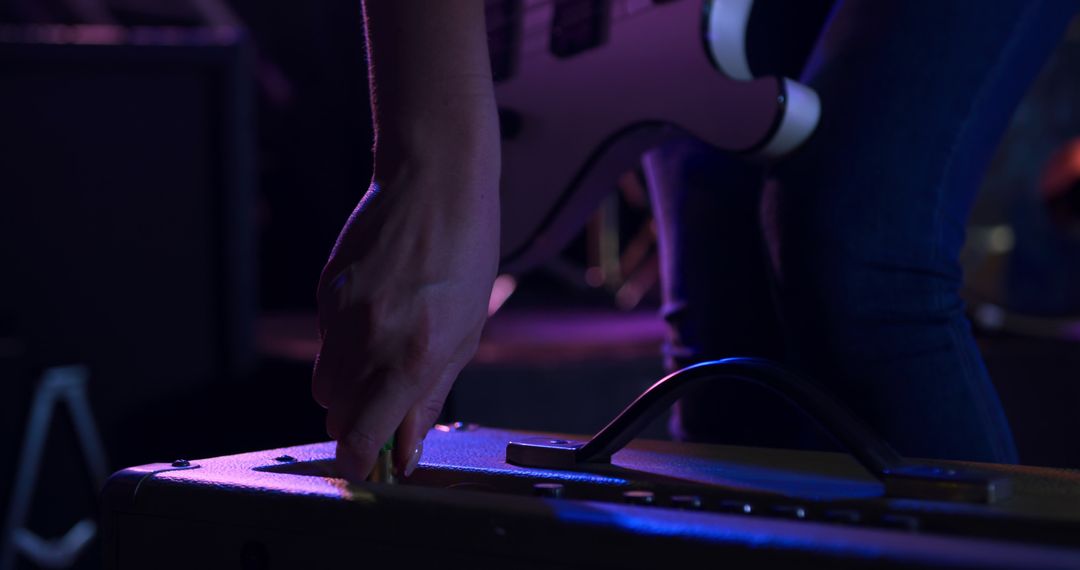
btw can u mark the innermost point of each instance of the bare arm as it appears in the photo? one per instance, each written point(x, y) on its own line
point(431, 83)
point(403, 298)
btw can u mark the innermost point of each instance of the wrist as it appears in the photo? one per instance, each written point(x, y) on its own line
point(463, 159)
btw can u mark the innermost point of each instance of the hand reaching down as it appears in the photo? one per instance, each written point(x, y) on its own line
point(404, 296)
point(402, 302)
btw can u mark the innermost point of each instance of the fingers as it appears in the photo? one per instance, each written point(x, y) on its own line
point(364, 414)
point(424, 413)
point(409, 443)
point(342, 331)
point(329, 364)
point(370, 394)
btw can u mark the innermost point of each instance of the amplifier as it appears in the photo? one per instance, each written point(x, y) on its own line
point(126, 200)
point(656, 503)
point(495, 498)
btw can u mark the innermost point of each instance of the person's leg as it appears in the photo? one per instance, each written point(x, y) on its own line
point(867, 219)
point(714, 277)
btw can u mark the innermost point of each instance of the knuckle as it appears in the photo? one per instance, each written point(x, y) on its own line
point(472, 343)
point(360, 440)
point(431, 408)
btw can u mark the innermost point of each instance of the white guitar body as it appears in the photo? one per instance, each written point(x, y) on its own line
point(579, 121)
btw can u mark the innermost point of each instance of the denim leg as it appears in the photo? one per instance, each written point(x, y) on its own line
point(717, 300)
point(867, 219)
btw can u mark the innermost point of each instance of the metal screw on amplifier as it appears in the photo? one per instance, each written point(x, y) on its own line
point(181, 463)
point(284, 459)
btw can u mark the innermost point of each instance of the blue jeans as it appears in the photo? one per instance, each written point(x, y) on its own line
point(842, 259)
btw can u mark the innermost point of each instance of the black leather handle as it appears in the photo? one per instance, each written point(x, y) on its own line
point(869, 449)
point(901, 478)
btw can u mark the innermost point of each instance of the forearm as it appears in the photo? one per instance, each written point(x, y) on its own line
point(404, 296)
point(433, 102)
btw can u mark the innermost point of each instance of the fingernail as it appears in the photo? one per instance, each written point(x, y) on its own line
point(415, 459)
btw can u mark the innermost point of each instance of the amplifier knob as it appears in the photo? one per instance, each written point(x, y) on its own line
point(903, 522)
point(548, 490)
point(842, 516)
point(639, 497)
point(691, 502)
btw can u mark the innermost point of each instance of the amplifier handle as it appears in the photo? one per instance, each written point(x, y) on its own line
point(901, 478)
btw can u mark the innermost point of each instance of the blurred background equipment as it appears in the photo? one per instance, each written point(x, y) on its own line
point(145, 147)
point(60, 387)
point(127, 242)
point(126, 222)
point(1022, 264)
